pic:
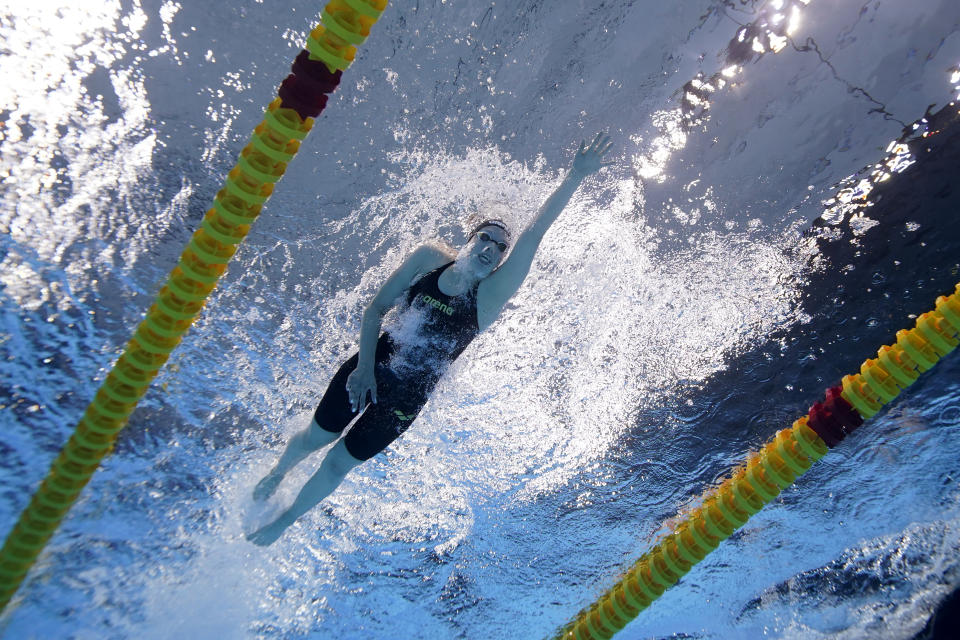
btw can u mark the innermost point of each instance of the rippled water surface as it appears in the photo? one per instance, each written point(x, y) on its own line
point(783, 200)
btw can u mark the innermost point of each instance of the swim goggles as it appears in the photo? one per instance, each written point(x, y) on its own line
point(486, 237)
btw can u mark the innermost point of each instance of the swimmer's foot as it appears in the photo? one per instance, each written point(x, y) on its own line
point(267, 487)
point(267, 535)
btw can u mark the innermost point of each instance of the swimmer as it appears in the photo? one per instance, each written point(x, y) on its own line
point(452, 296)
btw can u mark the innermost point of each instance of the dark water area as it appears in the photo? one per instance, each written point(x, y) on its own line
point(945, 622)
point(898, 267)
point(861, 287)
point(863, 284)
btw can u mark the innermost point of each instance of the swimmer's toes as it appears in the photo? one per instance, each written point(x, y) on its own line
point(264, 537)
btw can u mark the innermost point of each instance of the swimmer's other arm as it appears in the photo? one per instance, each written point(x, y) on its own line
point(497, 289)
point(362, 380)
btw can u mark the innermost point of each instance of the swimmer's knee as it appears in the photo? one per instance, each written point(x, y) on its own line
point(317, 434)
point(340, 459)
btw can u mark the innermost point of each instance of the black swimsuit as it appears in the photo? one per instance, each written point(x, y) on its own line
point(410, 358)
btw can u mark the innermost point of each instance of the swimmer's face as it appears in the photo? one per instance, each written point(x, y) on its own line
point(485, 250)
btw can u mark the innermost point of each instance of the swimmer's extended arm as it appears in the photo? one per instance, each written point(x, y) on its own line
point(495, 290)
point(362, 380)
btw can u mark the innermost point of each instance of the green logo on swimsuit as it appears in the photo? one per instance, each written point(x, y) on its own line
point(403, 417)
point(436, 304)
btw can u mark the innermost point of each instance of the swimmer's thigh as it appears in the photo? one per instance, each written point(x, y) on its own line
point(334, 412)
point(381, 424)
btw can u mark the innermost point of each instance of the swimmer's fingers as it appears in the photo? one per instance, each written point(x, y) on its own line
point(589, 159)
point(603, 151)
point(353, 390)
point(351, 396)
point(596, 141)
point(358, 400)
point(369, 386)
point(359, 384)
point(600, 146)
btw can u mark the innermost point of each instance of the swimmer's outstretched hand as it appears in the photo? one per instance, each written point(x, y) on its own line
point(359, 383)
point(590, 159)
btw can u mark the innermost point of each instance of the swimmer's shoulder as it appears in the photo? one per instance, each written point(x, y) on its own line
point(421, 261)
point(431, 255)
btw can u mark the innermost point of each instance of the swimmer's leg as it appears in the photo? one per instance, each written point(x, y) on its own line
point(332, 416)
point(300, 446)
point(336, 465)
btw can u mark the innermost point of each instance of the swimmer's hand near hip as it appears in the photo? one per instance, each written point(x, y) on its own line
point(359, 383)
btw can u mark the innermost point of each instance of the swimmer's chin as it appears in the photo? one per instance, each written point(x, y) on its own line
point(482, 269)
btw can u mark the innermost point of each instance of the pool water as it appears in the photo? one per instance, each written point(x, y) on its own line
point(784, 199)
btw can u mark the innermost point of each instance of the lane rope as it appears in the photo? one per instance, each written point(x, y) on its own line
point(772, 469)
point(316, 72)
